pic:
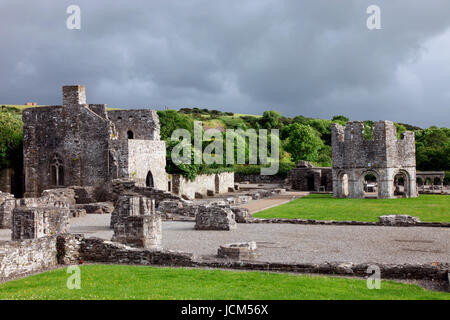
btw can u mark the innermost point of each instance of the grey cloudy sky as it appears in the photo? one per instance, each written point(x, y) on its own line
point(315, 58)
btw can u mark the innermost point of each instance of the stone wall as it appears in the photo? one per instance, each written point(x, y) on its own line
point(19, 258)
point(258, 179)
point(98, 250)
point(143, 123)
point(147, 159)
point(217, 183)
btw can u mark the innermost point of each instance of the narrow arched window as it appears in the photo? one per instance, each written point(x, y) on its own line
point(130, 134)
point(57, 171)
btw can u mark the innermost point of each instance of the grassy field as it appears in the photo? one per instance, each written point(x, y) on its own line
point(430, 208)
point(138, 282)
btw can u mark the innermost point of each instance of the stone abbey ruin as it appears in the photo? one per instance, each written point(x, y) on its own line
point(96, 190)
point(385, 157)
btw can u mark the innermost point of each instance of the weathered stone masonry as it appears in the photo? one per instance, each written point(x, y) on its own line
point(80, 144)
point(384, 157)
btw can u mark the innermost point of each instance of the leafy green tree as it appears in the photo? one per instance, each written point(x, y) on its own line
point(11, 135)
point(342, 120)
point(171, 120)
point(270, 120)
point(303, 143)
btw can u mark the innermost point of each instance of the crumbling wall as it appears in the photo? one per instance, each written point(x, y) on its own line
point(306, 177)
point(7, 204)
point(33, 223)
point(143, 123)
point(217, 183)
point(19, 258)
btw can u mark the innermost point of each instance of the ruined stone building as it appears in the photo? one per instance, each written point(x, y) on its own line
point(80, 144)
point(384, 158)
point(306, 177)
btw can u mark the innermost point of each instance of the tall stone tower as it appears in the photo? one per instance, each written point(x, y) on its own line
point(385, 157)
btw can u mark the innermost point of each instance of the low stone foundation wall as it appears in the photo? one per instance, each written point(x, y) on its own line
point(432, 271)
point(98, 250)
point(347, 223)
point(258, 179)
point(19, 258)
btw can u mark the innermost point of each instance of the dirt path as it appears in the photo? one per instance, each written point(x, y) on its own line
point(262, 204)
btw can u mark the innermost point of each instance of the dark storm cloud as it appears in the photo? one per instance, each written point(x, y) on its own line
point(315, 58)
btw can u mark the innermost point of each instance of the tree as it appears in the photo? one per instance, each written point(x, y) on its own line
point(11, 132)
point(342, 120)
point(270, 120)
point(171, 120)
point(303, 143)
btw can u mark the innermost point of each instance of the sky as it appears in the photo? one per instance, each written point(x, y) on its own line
point(315, 58)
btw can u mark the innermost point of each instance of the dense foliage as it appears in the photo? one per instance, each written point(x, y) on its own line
point(11, 132)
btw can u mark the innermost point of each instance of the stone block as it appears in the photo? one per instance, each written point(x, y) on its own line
point(139, 231)
point(395, 220)
point(238, 251)
point(215, 218)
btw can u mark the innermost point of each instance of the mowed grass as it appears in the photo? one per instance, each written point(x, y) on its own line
point(429, 208)
point(139, 282)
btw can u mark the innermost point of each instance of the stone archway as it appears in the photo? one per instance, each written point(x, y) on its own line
point(401, 182)
point(369, 184)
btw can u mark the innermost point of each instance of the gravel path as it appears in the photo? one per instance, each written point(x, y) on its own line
point(266, 203)
point(301, 243)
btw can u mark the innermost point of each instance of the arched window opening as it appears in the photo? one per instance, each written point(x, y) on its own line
point(149, 180)
point(343, 185)
point(130, 134)
point(57, 171)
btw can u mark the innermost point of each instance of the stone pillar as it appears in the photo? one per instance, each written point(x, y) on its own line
point(136, 222)
point(128, 206)
point(143, 231)
point(74, 95)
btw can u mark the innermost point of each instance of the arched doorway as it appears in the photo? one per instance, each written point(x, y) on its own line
point(401, 184)
point(130, 134)
point(149, 180)
point(370, 184)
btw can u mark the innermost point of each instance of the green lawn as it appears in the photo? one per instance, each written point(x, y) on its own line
point(139, 282)
point(431, 208)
